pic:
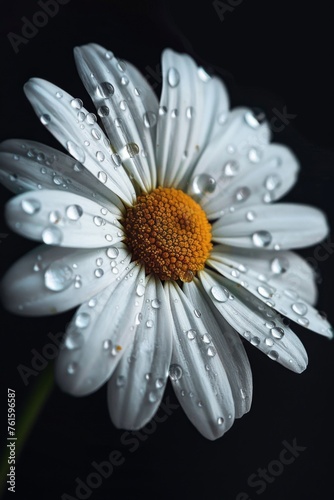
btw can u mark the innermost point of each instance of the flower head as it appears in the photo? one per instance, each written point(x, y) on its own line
point(162, 227)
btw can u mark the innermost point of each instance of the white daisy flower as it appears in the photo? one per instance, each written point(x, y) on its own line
point(161, 228)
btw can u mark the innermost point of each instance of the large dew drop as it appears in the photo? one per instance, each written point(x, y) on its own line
point(58, 277)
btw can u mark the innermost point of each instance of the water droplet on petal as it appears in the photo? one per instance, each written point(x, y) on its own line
point(277, 332)
point(254, 155)
point(103, 111)
point(203, 184)
point(52, 235)
point(156, 303)
point(74, 212)
point(159, 383)
point(82, 320)
point(218, 294)
point(74, 340)
point(190, 112)
point(173, 77)
point(105, 90)
point(242, 194)
point(191, 334)
point(251, 120)
point(72, 368)
point(264, 291)
point(250, 216)
point(272, 182)
point(175, 372)
point(220, 420)
point(299, 308)
point(273, 355)
point(150, 119)
point(76, 103)
point(255, 341)
point(211, 351)
point(58, 277)
point(30, 206)
point(140, 290)
point(99, 273)
point(45, 119)
point(303, 321)
point(231, 168)
point(152, 397)
point(261, 239)
point(112, 252)
point(100, 156)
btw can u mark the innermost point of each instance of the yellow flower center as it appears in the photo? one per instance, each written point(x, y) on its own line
point(168, 232)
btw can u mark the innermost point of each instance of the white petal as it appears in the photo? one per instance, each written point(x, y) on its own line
point(235, 149)
point(128, 108)
point(50, 280)
point(64, 219)
point(78, 132)
point(255, 321)
point(279, 226)
point(282, 295)
point(189, 110)
point(263, 183)
point(281, 270)
point(98, 336)
point(28, 165)
point(137, 385)
point(229, 347)
point(197, 371)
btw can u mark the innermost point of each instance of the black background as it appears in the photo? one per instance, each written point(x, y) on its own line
point(270, 54)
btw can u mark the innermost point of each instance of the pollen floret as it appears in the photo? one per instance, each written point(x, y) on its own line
point(169, 232)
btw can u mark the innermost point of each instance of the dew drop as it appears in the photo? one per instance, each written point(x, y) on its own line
point(273, 355)
point(150, 119)
point(100, 156)
point(162, 110)
point(261, 239)
point(203, 75)
point(58, 277)
point(104, 90)
point(269, 342)
point(98, 221)
point(99, 272)
point(74, 212)
point(52, 235)
point(255, 341)
point(175, 372)
point(299, 308)
point(156, 303)
point(74, 340)
point(211, 351)
point(45, 119)
point(112, 252)
point(76, 103)
point(203, 184)
point(103, 111)
point(264, 291)
point(251, 120)
point(152, 397)
point(190, 112)
point(272, 182)
point(303, 321)
point(218, 294)
point(159, 383)
point(254, 155)
point(140, 290)
point(191, 334)
point(149, 323)
point(72, 368)
point(231, 168)
point(30, 206)
point(124, 81)
point(220, 420)
point(82, 320)
point(242, 194)
point(279, 265)
point(250, 216)
point(277, 332)
point(173, 77)
point(197, 313)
